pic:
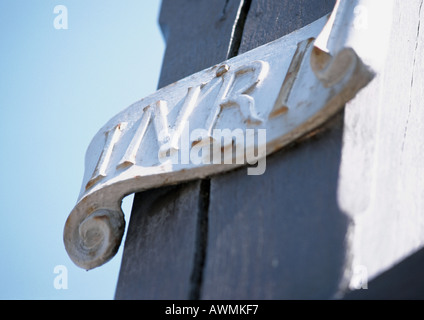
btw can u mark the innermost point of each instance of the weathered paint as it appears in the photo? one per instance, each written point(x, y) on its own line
point(288, 88)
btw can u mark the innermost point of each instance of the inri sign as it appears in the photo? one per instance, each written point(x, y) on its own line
point(231, 114)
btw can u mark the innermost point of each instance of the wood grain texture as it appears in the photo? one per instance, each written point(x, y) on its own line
point(160, 245)
point(163, 256)
point(280, 235)
point(353, 194)
point(198, 35)
point(270, 20)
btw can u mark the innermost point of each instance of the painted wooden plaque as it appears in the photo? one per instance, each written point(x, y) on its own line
point(232, 114)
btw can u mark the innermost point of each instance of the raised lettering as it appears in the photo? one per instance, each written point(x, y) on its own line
point(112, 137)
point(227, 96)
point(167, 139)
point(281, 104)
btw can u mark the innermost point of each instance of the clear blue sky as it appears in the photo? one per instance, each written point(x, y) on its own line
point(57, 89)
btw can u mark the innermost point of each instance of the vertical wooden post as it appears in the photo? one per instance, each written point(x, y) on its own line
point(164, 247)
point(280, 235)
point(241, 234)
point(350, 193)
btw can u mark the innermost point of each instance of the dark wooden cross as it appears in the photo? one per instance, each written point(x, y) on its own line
point(239, 236)
point(351, 193)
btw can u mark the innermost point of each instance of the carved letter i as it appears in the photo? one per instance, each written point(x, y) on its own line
point(112, 137)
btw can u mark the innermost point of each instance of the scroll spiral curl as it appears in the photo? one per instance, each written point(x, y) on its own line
point(92, 239)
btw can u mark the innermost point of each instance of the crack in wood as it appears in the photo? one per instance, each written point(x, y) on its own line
point(201, 240)
point(224, 10)
point(412, 75)
point(238, 29)
point(202, 227)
